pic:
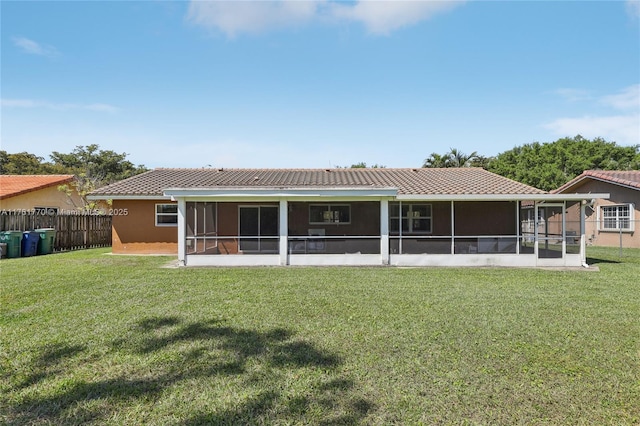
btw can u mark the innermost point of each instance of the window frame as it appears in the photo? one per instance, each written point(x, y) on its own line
point(164, 214)
point(602, 220)
point(410, 217)
point(329, 208)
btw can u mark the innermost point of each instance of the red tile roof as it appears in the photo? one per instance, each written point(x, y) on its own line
point(628, 178)
point(12, 185)
point(421, 181)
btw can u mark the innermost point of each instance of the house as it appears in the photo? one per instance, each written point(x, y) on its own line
point(608, 222)
point(403, 217)
point(37, 192)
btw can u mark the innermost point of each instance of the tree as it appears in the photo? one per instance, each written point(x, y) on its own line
point(453, 158)
point(23, 163)
point(435, 160)
point(91, 166)
point(482, 161)
point(458, 158)
point(549, 165)
point(105, 166)
point(362, 165)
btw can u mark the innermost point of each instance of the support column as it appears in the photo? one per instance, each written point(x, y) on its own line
point(535, 230)
point(384, 231)
point(453, 229)
point(518, 227)
point(284, 232)
point(182, 231)
point(583, 242)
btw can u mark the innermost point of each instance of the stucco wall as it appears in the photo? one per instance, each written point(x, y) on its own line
point(45, 197)
point(485, 218)
point(135, 230)
point(619, 195)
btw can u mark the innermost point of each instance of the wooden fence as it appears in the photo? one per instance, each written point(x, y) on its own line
point(74, 230)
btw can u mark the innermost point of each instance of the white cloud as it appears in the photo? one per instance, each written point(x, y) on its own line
point(30, 103)
point(627, 99)
point(233, 17)
point(34, 48)
point(382, 17)
point(623, 127)
point(379, 17)
point(573, 95)
point(633, 8)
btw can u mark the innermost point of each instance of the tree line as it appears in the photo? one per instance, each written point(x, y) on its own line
point(543, 165)
point(546, 165)
point(91, 166)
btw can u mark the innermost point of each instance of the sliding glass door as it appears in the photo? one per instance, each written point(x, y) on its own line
point(259, 228)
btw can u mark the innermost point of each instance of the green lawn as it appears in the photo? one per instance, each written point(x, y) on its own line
point(92, 338)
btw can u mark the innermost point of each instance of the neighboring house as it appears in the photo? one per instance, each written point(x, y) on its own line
point(419, 217)
point(39, 192)
point(609, 222)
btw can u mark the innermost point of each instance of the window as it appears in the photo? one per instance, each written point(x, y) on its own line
point(166, 214)
point(329, 213)
point(616, 218)
point(416, 218)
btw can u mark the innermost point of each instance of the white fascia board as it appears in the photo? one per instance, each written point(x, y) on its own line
point(128, 197)
point(281, 193)
point(502, 197)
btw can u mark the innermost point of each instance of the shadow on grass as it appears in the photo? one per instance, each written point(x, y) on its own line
point(173, 351)
point(595, 261)
point(49, 363)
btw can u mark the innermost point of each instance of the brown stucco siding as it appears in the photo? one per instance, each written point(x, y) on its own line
point(485, 218)
point(618, 195)
point(365, 219)
point(135, 231)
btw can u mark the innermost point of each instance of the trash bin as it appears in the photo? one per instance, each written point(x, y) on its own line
point(13, 240)
point(30, 240)
point(47, 240)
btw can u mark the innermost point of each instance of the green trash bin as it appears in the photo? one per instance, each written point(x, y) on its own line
point(13, 239)
point(47, 240)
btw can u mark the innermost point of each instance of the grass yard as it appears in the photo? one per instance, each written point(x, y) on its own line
point(93, 338)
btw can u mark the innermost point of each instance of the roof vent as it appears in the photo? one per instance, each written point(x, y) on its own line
point(415, 170)
point(221, 169)
point(256, 178)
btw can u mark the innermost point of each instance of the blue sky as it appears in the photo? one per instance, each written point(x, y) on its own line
point(315, 83)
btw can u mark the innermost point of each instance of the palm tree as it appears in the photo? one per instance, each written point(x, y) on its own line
point(458, 158)
point(435, 161)
point(453, 158)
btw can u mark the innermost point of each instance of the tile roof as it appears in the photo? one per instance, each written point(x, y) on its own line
point(421, 181)
point(12, 185)
point(629, 178)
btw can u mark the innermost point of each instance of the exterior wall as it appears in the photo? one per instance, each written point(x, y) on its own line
point(135, 231)
point(618, 195)
point(365, 220)
point(485, 218)
point(45, 197)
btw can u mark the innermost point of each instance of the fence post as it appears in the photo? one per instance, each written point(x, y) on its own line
point(73, 230)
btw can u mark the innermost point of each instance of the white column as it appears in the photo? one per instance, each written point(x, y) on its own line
point(284, 232)
point(384, 231)
point(182, 231)
point(583, 242)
